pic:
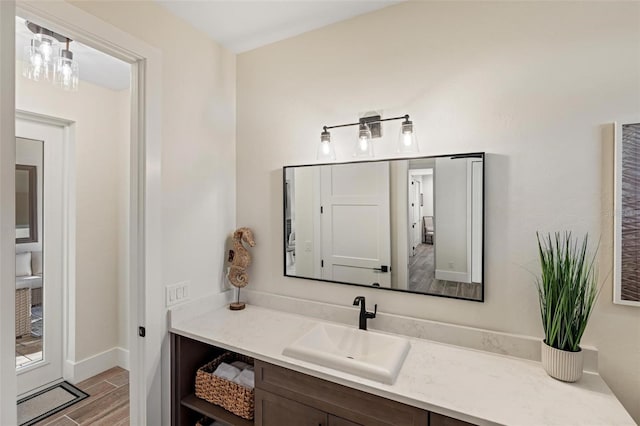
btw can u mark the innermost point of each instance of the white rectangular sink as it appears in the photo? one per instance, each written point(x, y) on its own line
point(366, 354)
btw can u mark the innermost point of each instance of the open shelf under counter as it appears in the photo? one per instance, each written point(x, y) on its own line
point(213, 411)
point(186, 409)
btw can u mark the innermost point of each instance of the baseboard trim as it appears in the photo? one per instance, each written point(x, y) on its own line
point(75, 372)
point(443, 275)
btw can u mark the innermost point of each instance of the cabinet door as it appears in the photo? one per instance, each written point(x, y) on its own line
point(339, 421)
point(274, 410)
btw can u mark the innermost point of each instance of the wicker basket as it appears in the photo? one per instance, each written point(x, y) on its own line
point(23, 312)
point(227, 394)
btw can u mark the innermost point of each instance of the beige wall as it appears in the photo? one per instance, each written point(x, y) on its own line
point(532, 84)
point(101, 119)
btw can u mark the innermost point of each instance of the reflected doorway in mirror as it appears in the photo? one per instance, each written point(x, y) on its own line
point(414, 225)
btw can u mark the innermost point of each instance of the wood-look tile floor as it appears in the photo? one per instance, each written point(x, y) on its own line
point(422, 277)
point(107, 405)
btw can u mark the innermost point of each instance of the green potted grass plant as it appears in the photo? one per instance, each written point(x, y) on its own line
point(567, 290)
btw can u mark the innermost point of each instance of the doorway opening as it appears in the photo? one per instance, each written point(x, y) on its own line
point(72, 280)
point(421, 230)
point(145, 203)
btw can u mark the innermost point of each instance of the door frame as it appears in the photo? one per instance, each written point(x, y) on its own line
point(145, 195)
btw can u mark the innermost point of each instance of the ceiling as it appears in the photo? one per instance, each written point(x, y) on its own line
point(239, 25)
point(242, 25)
point(94, 66)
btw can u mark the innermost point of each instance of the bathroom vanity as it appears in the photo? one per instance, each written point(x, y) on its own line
point(438, 384)
point(287, 397)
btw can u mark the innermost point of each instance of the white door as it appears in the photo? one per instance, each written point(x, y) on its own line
point(476, 221)
point(415, 231)
point(48, 367)
point(355, 223)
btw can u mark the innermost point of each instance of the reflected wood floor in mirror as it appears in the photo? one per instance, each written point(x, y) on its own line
point(29, 347)
point(422, 277)
point(28, 350)
point(422, 268)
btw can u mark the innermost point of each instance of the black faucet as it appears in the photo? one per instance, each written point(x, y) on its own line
point(364, 315)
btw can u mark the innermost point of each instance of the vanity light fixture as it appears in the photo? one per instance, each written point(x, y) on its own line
point(44, 61)
point(368, 128)
point(65, 71)
point(364, 145)
point(326, 151)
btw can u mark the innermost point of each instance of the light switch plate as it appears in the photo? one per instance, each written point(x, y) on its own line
point(177, 293)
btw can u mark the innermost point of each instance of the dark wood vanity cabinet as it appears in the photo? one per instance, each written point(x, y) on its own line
point(324, 403)
point(274, 410)
point(436, 419)
point(285, 397)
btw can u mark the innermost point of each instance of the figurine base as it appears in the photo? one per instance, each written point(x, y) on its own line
point(237, 306)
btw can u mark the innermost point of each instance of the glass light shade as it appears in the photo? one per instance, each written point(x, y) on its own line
point(34, 66)
point(326, 151)
point(65, 71)
point(46, 45)
point(364, 145)
point(407, 141)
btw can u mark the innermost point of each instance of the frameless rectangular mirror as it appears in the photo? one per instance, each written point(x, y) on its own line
point(413, 225)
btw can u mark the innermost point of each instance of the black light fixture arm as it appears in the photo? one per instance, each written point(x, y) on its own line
point(368, 120)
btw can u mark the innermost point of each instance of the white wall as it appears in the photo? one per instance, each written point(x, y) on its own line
point(451, 203)
point(101, 137)
point(398, 185)
point(427, 191)
point(198, 140)
point(531, 83)
point(123, 193)
point(306, 220)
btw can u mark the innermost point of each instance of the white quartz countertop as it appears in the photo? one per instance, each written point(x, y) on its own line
point(478, 387)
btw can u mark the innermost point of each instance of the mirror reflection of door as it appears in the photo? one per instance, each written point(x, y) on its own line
point(415, 189)
point(29, 265)
point(355, 223)
point(421, 246)
point(420, 218)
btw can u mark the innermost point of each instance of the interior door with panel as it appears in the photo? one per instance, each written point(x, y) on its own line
point(414, 215)
point(39, 261)
point(355, 223)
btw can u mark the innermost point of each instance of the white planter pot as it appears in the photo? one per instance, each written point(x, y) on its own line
point(562, 365)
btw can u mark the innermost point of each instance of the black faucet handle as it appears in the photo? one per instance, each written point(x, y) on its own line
point(372, 314)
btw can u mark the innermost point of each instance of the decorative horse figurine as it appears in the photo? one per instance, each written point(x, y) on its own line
point(240, 260)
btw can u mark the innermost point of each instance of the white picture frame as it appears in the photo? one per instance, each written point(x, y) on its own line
point(618, 212)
